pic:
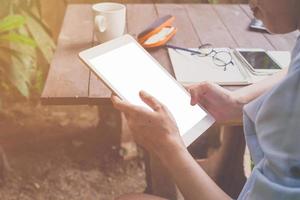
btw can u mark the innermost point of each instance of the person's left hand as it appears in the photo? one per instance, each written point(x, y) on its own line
point(155, 130)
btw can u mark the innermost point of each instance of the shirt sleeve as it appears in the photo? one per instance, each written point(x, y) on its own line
point(277, 175)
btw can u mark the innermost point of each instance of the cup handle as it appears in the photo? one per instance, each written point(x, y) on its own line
point(100, 23)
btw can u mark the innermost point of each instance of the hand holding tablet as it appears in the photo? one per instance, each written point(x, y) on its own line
point(155, 129)
point(126, 68)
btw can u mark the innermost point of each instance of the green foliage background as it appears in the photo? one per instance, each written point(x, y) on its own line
point(26, 48)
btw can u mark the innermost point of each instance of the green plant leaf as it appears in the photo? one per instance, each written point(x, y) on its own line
point(11, 22)
point(18, 55)
point(23, 70)
point(14, 37)
point(6, 54)
point(40, 21)
point(18, 79)
point(43, 40)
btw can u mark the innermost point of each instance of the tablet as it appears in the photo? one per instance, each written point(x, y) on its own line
point(126, 68)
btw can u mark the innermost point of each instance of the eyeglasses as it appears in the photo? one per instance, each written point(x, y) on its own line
point(220, 58)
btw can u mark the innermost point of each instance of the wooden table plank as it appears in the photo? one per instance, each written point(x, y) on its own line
point(237, 23)
point(281, 42)
point(68, 79)
point(139, 16)
point(98, 92)
point(209, 26)
point(186, 35)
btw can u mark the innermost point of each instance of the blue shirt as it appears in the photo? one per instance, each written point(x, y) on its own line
point(272, 132)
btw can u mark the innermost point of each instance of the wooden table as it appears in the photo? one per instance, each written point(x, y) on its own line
point(70, 82)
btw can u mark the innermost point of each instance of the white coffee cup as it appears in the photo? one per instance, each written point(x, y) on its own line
point(110, 20)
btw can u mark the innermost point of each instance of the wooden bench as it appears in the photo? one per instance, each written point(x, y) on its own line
point(69, 82)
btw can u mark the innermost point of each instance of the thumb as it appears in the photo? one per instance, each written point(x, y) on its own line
point(194, 97)
point(198, 91)
point(151, 101)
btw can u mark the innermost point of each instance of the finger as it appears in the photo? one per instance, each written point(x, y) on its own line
point(151, 101)
point(125, 107)
point(194, 97)
point(198, 91)
point(188, 87)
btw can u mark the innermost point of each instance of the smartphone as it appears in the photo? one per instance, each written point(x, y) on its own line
point(258, 61)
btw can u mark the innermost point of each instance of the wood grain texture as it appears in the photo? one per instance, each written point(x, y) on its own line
point(98, 92)
point(185, 36)
point(68, 79)
point(139, 16)
point(209, 26)
point(237, 22)
point(281, 42)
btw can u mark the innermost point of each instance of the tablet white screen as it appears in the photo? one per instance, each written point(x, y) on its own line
point(129, 70)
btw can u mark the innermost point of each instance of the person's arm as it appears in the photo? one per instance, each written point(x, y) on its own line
point(148, 126)
point(190, 178)
point(247, 94)
point(157, 132)
point(227, 106)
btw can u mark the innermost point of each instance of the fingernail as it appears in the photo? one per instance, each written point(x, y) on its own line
point(192, 102)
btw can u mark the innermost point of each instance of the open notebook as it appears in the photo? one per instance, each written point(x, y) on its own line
point(194, 69)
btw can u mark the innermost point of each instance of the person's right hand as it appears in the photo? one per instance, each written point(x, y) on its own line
point(222, 104)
